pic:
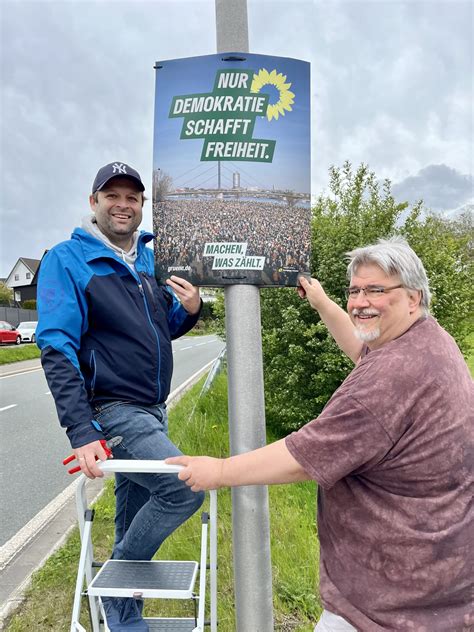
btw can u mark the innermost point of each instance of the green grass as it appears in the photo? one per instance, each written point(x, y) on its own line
point(295, 549)
point(48, 602)
point(17, 353)
point(470, 357)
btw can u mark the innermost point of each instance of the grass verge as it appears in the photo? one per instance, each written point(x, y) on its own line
point(18, 353)
point(48, 602)
point(295, 550)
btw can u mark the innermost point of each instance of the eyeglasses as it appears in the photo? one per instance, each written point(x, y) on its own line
point(371, 291)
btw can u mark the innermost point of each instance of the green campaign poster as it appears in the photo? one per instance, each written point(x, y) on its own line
point(231, 169)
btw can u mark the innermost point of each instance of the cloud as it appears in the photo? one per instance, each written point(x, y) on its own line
point(440, 187)
point(78, 92)
point(391, 87)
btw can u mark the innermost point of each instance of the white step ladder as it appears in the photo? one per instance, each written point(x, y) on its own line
point(145, 579)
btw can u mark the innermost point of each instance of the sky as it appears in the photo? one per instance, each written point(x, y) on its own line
point(391, 86)
point(288, 165)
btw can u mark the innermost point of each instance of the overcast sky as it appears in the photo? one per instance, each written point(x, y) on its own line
point(391, 87)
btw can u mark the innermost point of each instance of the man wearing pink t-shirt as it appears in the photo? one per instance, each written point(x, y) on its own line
point(391, 453)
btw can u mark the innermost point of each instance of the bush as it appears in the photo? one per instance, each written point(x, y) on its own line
point(302, 364)
point(29, 304)
point(6, 294)
point(207, 311)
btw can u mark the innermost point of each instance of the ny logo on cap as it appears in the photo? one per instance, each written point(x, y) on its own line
point(119, 168)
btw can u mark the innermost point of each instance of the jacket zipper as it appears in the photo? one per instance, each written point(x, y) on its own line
point(142, 292)
point(93, 366)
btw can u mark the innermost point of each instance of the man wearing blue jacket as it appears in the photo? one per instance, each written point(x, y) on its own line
point(105, 330)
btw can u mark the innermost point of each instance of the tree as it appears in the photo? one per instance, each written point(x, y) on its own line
point(207, 311)
point(6, 294)
point(302, 364)
point(162, 185)
point(446, 249)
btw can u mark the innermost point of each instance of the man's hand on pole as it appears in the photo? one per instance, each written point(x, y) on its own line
point(186, 292)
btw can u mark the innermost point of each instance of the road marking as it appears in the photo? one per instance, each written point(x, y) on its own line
point(20, 372)
point(8, 407)
point(48, 393)
point(208, 342)
point(184, 348)
point(29, 531)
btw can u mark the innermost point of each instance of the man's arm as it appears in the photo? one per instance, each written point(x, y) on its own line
point(334, 317)
point(270, 465)
point(62, 309)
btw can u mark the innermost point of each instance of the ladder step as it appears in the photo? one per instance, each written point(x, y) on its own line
point(170, 625)
point(157, 579)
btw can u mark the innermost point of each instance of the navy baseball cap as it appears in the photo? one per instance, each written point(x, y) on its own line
point(113, 170)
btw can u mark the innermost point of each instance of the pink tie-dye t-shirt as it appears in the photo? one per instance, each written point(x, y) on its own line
point(392, 454)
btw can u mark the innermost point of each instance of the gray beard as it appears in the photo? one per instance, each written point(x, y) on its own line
point(367, 336)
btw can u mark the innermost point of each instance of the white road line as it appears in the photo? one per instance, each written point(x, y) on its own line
point(48, 393)
point(201, 343)
point(8, 407)
point(184, 348)
point(20, 372)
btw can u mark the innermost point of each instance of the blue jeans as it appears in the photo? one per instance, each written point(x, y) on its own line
point(149, 507)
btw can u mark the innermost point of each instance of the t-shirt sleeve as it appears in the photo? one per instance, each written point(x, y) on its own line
point(345, 439)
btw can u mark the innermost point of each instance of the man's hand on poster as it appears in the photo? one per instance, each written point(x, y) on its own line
point(187, 293)
point(312, 290)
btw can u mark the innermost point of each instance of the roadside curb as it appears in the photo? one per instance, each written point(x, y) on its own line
point(60, 518)
point(53, 525)
point(6, 370)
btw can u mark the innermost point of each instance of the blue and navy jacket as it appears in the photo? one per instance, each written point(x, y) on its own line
point(104, 330)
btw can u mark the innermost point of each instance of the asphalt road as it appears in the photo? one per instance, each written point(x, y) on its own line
point(32, 444)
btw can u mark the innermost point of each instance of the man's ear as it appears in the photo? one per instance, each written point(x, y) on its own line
point(92, 202)
point(414, 300)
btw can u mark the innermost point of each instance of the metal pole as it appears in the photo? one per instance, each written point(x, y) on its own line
point(250, 514)
point(232, 27)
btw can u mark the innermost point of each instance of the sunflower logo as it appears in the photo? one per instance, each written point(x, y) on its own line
point(278, 81)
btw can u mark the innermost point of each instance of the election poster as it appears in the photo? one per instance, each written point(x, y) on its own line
point(231, 169)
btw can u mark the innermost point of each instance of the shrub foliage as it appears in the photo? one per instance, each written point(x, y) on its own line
point(29, 304)
point(302, 364)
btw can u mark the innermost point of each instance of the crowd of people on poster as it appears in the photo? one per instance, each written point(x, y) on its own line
point(276, 231)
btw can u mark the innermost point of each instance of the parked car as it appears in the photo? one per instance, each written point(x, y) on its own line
point(8, 333)
point(28, 331)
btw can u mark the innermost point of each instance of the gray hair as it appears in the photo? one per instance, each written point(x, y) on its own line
point(395, 257)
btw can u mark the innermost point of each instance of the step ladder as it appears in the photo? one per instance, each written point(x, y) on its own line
point(146, 579)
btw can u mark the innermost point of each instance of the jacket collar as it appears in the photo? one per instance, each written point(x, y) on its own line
point(95, 249)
